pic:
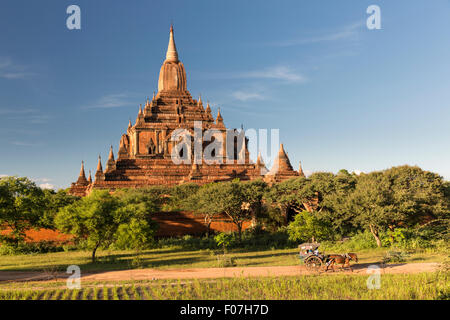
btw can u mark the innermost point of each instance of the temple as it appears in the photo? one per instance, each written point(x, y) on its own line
point(146, 151)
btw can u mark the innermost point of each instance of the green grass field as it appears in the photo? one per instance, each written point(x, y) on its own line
point(174, 258)
point(398, 286)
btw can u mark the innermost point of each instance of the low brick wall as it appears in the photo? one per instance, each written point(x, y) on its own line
point(171, 224)
point(182, 223)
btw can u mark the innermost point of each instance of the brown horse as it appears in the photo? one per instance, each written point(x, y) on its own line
point(343, 259)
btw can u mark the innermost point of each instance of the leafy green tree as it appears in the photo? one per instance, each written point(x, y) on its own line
point(181, 196)
point(136, 228)
point(21, 206)
point(307, 227)
point(224, 240)
point(398, 197)
point(92, 219)
point(370, 203)
point(239, 201)
point(54, 201)
point(203, 203)
point(253, 192)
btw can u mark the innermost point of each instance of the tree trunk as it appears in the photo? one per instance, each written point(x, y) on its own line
point(239, 226)
point(208, 229)
point(93, 252)
point(375, 235)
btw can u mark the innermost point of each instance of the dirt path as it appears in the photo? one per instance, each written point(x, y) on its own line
point(203, 273)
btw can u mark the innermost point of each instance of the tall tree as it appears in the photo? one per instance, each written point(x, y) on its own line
point(92, 219)
point(239, 201)
point(21, 207)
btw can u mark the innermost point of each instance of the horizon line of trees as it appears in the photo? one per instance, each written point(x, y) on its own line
point(319, 207)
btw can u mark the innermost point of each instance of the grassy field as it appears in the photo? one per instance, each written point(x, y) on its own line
point(398, 286)
point(174, 258)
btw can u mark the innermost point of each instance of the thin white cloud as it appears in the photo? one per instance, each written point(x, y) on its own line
point(23, 143)
point(278, 73)
point(13, 111)
point(10, 70)
point(348, 32)
point(357, 172)
point(282, 73)
point(30, 115)
point(247, 95)
point(111, 101)
point(3, 176)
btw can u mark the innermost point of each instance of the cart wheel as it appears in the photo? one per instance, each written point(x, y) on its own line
point(313, 263)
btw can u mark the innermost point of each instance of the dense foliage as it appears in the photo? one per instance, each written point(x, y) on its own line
point(402, 205)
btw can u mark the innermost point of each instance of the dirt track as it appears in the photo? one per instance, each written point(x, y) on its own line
point(203, 273)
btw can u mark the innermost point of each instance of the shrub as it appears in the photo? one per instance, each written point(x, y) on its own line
point(224, 240)
point(225, 261)
point(30, 248)
point(307, 226)
point(394, 257)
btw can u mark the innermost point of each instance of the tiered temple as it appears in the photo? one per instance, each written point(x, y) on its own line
point(145, 155)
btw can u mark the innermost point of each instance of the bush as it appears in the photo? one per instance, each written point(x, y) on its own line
point(225, 261)
point(307, 227)
point(395, 257)
point(30, 248)
point(360, 241)
point(224, 240)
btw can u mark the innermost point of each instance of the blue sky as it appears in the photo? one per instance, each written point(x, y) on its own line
point(342, 96)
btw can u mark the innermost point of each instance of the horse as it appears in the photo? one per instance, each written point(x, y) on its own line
point(343, 259)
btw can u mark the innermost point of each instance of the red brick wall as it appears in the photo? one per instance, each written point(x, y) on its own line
point(171, 224)
point(182, 223)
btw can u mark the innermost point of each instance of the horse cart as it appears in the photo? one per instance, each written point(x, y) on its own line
point(315, 260)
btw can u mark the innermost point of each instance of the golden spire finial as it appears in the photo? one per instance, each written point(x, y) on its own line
point(172, 54)
point(99, 164)
point(111, 153)
point(82, 174)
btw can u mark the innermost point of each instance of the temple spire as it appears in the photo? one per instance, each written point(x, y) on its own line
point(90, 177)
point(219, 117)
point(82, 174)
point(111, 154)
point(99, 166)
point(172, 54)
point(300, 170)
point(259, 160)
point(82, 177)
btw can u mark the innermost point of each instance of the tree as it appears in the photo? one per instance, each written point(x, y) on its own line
point(54, 201)
point(233, 198)
point(398, 197)
point(203, 203)
point(21, 206)
point(136, 228)
point(92, 219)
point(253, 192)
point(370, 203)
point(307, 226)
